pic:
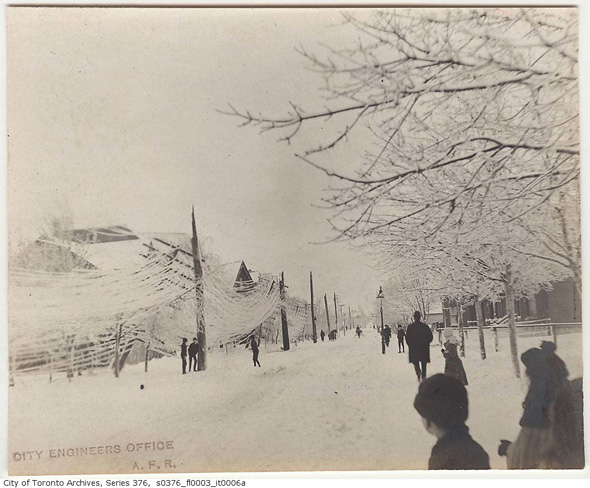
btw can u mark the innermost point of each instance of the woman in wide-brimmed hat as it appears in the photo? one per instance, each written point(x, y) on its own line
point(535, 439)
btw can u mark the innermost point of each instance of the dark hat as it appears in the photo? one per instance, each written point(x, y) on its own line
point(184, 339)
point(417, 315)
point(194, 338)
point(548, 346)
point(443, 400)
point(535, 360)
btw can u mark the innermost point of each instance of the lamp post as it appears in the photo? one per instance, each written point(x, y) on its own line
point(381, 297)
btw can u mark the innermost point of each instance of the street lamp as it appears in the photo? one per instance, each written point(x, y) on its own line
point(381, 297)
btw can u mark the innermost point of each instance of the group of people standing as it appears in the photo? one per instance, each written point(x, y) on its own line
point(552, 423)
point(193, 351)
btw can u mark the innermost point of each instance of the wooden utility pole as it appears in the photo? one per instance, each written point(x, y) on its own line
point(285, 325)
point(336, 312)
point(117, 345)
point(314, 331)
point(350, 318)
point(511, 319)
point(147, 355)
point(200, 304)
point(13, 371)
point(327, 313)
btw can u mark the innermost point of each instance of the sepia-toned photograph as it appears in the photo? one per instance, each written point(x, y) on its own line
point(293, 239)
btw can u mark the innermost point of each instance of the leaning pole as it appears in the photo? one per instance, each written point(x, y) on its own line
point(314, 331)
point(284, 323)
point(200, 303)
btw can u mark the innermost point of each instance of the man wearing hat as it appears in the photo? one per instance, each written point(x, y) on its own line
point(183, 349)
point(418, 339)
point(442, 403)
point(193, 350)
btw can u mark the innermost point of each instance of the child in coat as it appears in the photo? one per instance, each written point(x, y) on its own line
point(443, 405)
point(453, 364)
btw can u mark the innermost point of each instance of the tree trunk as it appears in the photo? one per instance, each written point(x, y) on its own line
point(480, 325)
point(461, 330)
point(573, 257)
point(496, 344)
point(511, 319)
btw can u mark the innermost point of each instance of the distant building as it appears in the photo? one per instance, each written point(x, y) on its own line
point(244, 281)
point(65, 251)
point(435, 313)
point(108, 248)
point(561, 304)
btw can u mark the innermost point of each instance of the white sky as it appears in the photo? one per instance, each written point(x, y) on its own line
point(115, 112)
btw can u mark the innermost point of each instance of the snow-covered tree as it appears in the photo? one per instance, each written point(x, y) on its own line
point(480, 103)
point(451, 136)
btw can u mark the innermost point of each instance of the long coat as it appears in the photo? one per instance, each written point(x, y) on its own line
point(453, 364)
point(193, 349)
point(418, 339)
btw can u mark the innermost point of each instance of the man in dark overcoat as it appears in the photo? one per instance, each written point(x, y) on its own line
point(193, 351)
point(418, 339)
point(183, 348)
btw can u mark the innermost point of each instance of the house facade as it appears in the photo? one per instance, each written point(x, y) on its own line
point(561, 304)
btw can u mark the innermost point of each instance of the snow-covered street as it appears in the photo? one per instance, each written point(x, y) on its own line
point(330, 406)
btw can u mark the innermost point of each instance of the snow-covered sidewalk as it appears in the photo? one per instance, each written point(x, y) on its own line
point(329, 406)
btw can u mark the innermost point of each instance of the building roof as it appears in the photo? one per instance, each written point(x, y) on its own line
point(244, 280)
point(112, 254)
point(99, 235)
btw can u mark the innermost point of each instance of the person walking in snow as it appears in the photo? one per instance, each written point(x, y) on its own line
point(443, 405)
point(255, 351)
point(322, 335)
point(418, 338)
point(401, 334)
point(193, 350)
point(358, 331)
point(453, 364)
point(388, 334)
point(183, 354)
